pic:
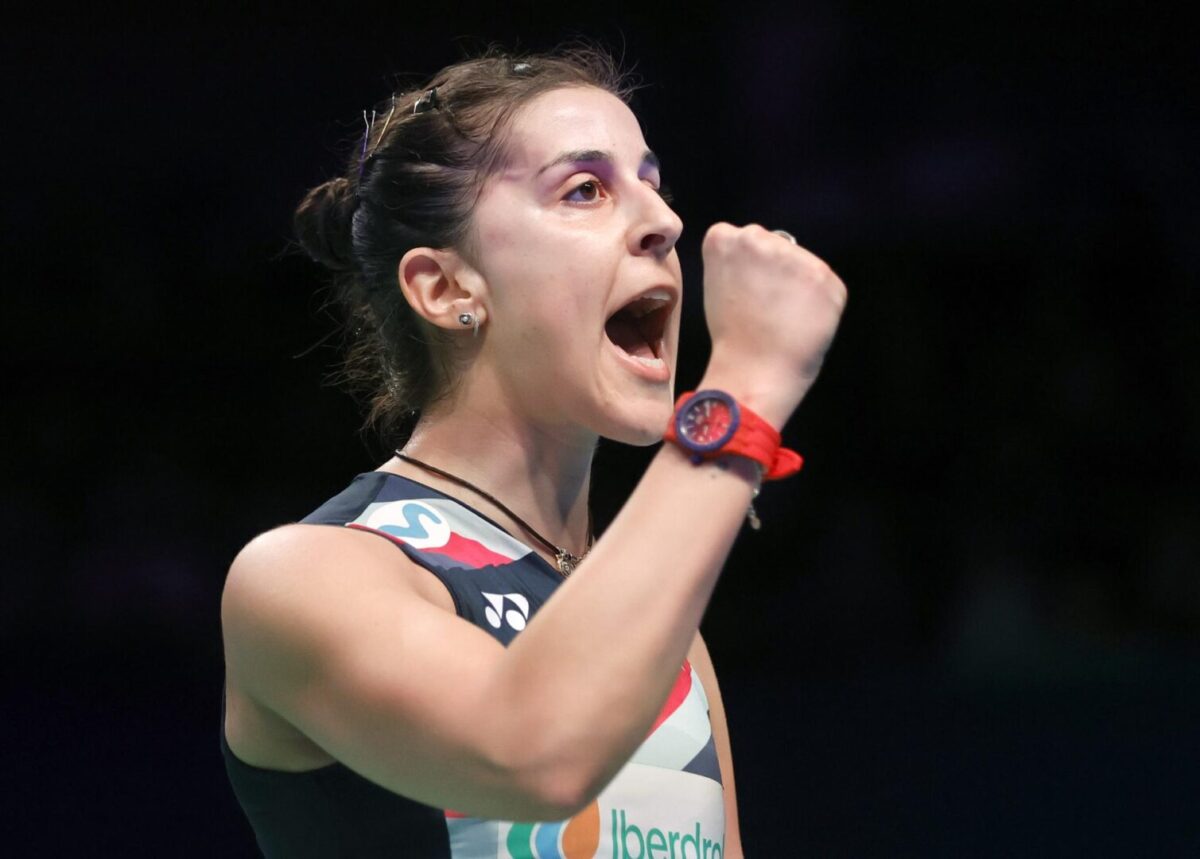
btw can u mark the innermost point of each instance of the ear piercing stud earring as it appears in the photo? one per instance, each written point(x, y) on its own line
point(472, 320)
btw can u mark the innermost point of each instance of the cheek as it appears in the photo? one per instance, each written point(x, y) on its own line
point(557, 290)
point(549, 284)
point(548, 330)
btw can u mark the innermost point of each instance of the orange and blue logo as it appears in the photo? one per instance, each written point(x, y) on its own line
point(575, 838)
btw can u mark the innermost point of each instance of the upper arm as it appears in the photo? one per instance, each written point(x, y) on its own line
point(699, 657)
point(324, 627)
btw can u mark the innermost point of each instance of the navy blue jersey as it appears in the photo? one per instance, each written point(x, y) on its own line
point(667, 801)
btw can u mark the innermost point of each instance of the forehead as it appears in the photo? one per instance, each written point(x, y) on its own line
point(572, 118)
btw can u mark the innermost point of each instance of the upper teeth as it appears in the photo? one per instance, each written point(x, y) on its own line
point(649, 302)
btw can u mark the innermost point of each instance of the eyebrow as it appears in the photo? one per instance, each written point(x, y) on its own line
point(582, 155)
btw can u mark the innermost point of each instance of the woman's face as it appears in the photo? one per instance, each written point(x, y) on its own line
point(568, 232)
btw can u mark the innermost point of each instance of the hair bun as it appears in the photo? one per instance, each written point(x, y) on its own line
point(323, 223)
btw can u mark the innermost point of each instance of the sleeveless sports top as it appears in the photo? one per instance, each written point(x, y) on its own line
point(667, 802)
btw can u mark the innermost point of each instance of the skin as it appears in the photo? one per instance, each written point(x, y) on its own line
point(382, 676)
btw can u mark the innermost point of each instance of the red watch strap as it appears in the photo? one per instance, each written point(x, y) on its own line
point(754, 439)
point(787, 463)
point(778, 462)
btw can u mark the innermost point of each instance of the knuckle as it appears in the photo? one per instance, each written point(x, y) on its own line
point(838, 292)
point(718, 235)
point(751, 238)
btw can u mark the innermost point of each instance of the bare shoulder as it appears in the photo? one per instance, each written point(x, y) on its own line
point(282, 578)
point(308, 551)
point(342, 560)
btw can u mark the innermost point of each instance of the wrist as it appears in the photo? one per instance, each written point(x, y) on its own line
point(743, 466)
point(771, 399)
point(712, 423)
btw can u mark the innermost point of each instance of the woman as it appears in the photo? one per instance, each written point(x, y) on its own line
point(509, 267)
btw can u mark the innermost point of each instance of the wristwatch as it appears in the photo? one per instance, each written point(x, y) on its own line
point(709, 424)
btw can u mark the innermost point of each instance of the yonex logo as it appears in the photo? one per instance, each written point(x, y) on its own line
point(515, 615)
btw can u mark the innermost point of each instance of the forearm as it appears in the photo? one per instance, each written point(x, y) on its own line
point(584, 681)
point(587, 677)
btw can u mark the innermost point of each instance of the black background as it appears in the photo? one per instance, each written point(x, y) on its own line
point(970, 626)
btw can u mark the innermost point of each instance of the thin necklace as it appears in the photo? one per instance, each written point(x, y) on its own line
point(565, 560)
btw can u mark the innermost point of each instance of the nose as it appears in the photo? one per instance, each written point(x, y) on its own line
point(657, 228)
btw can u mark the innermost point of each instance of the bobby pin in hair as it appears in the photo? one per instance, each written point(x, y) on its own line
point(370, 124)
point(362, 156)
point(387, 121)
point(429, 101)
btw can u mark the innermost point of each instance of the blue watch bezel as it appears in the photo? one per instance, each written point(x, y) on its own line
point(735, 415)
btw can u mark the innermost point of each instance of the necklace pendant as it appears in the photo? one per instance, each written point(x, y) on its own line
point(566, 562)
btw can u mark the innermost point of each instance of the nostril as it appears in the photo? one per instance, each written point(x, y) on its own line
point(649, 242)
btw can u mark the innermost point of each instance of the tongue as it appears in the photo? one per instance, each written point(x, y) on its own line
point(623, 331)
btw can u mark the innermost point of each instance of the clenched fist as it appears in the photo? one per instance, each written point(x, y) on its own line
point(772, 309)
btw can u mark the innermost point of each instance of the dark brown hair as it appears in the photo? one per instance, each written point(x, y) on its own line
point(412, 180)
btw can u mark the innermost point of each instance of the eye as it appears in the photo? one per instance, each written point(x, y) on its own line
point(586, 192)
point(665, 193)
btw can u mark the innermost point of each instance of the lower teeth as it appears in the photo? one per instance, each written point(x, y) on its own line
point(649, 362)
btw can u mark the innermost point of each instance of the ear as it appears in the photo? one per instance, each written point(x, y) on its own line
point(440, 286)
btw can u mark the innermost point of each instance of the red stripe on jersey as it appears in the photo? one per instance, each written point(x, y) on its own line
point(466, 551)
point(683, 685)
point(469, 552)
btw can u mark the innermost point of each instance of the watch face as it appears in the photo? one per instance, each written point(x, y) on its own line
point(707, 421)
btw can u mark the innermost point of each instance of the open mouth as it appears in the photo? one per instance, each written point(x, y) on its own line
point(637, 329)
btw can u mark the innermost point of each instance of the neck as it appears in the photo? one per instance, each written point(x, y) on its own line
point(541, 473)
